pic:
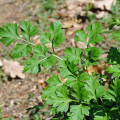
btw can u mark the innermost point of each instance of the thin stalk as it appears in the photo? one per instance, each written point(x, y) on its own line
point(48, 51)
point(53, 47)
point(107, 31)
point(43, 59)
point(57, 57)
point(96, 100)
point(87, 70)
point(27, 41)
point(88, 45)
point(52, 55)
point(75, 100)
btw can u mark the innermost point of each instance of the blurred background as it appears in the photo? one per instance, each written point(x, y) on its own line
point(19, 91)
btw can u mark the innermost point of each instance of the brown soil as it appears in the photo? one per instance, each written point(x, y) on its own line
point(16, 95)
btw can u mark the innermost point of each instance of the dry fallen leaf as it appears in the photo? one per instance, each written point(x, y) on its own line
point(81, 45)
point(101, 14)
point(13, 68)
point(41, 82)
point(104, 4)
point(68, 24)
point(73, 3)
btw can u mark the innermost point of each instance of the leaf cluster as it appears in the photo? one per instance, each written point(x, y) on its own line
point(80, 96)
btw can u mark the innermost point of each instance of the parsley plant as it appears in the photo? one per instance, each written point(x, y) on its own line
point(81, 96)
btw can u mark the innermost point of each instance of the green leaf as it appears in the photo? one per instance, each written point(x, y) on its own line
point(32, 65)
point(116, 88)
point(71, 81)
point(92, 54)
point(109, 96)
point(8, 33)
point(60, 99)
point(96, 39)
point(94, 87)
point(98, 110)
point(115, 70)
point(21, 50)
point(54, 80)
point(114, 114)
point(114, 55)
point(78, 112)
point(114, 91)
point(67, 69)
point(49, 90)
point(81, 36)
point(93, 30)
point(55, 27)
point(54, 83)
point(116, 35)
point(40, 51)
point(114, 21)
point(83, 77)
point(101, 118)
point(80, 93)
point(28, 30)
point(57, 33)
point(100, 91)
point(49, 62)
point(45, 38)
point(73, 54)
point(64, 72)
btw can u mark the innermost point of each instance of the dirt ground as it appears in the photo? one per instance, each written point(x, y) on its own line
point(16, 95)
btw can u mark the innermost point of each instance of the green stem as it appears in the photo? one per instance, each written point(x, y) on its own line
point(52, 55)
point(48, 51)
point(88, 45)
point(107, 31)
point(57, 56)
point(118, 107)
point(75, 100)
point(43, 59)
point(96, 100)
point(27, 41)
point(53, 46)
point(87, 70)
